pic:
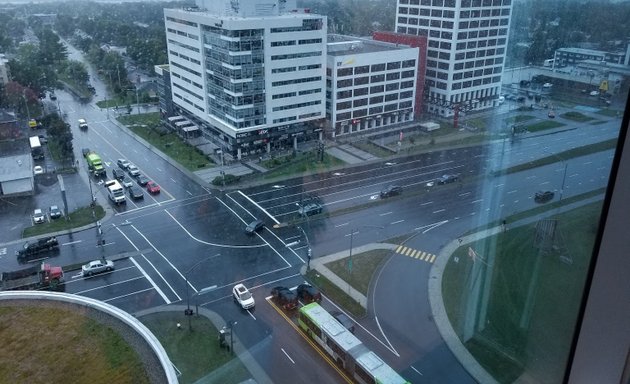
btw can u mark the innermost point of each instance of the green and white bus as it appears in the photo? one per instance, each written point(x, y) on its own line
point(345, 348)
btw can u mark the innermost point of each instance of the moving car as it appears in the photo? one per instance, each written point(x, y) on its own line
point(392, 190)
point(97, 266)
point(54, 212)
point(254, 227)
point(38, 216)
point(285, 297)
point(142, 179)
point(310, 209)
point(124, 164)
point(447, 178)
point(308, 294)
point(136, 193)
point(133, 170)
point(38, 170)
point(543, 196)
point(243, 297)
point(153, 187)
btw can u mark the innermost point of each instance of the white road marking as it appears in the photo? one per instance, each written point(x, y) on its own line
point(512, 191)
point(251, 314)
point(543, 183)
point(158, 169)
point(341, 225)
point(147, 276)
point(431, 226)
point(3, 251)
point(128, 294)
point(476, 201)
point(439, 210)
point(259, 207)
point(173, 180)
point(287, 355)
point(385, 214)
point(464, 194)
point(419, 373)
point(72, 242)
point(188, 192)
point(427, 203)
point(386, 339)
point(396, 222)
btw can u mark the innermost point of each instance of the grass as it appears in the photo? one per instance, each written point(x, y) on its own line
point(196, 354)
point(336, 294)
point(118, 101)
point(544, 125)
point(47, 343)
point(147, 126)
point(80, 217)
point(507, 346)
point(576, 116)
point(610, 112)
point(373, 149)
point(363, 267)
point(302, 163)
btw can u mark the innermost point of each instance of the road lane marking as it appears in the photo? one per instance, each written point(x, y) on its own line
point(251, 314)
point(385, 214)
point(72, 242)
point(419, 373)
point(287, 355)
point(341, 225)
point(476, 201)
point(147, 276)
point(464, 194)
point(158, 169)
point(431, 226)
point(427, 203)
point(104, 286)
point(173, 180)
point(512, 191)
point(257, 205)
point(439, 210)
point(383, 333)
point(128, 294)
point(187, 191)
point(396, 222)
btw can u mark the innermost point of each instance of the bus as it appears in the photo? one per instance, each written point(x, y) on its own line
point(345, 348)
point(36, 148)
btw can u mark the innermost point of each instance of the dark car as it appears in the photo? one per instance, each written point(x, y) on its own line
point(43, 139)
point(392, 190)
point(254, 226)
point(448, 178)
point(54, 212)
point(142, 179)
point(310, 209)
point(285, 297)
point(119, 174)
point(53, 96)
point(308, 294)
point(136, 193)
point(344, 320)
point(543, 196)
point(85, 151)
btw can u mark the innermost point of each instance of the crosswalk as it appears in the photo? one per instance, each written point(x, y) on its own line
point(416, 254)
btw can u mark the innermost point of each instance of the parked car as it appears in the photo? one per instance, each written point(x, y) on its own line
point(153, 187)
point(54, 212)
point(133, 170)
point(392, 190)
point(38, 170)
point(119, 174)
point(594, 93)
point(254, 227)
point(344, 320)
point(83, 124)
point(243, 297)
point(85, 151)
point(97, 266)
point(447, 178)
point(136, 193)
point(308, 294)
point(551, 114)
point(42, 139)
point(543, 196)
point(285, 297)
point(310, 209)
point(142, 179)
point(122, 163)
point(38, 216)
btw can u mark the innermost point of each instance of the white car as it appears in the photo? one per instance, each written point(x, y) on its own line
point(97, 266)
point(38, 170)
point(243, 297)
point(38, 216)
point(133, 170)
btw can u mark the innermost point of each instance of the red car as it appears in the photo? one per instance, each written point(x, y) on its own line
point(152, 187)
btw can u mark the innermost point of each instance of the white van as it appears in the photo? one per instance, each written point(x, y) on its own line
point(115, 192)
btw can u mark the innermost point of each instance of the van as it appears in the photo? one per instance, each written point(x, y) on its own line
point(83, 124)
point(501, 100)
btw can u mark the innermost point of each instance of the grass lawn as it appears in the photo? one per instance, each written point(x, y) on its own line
point(543, 344)
point(610, 112)
point(373, 149)
point(288, 166)
point(335, 294)
point(78, 218)
point(576, 116)
point(57, 345)
point(363, 267)
point(146, 126)
point(118, 101)
point(544, 125)
point(196, 354)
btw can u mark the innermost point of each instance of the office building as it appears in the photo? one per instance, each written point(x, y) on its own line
point(467, 40)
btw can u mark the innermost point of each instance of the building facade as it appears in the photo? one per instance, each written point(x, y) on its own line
point(4, 69)
point(164, 90)
point(250, 74)
point(370, 84)
point(564, 57)
point(467, 42)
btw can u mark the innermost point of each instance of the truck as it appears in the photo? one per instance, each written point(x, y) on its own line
point(41, 276)
point(95, 165)
point(31, 250)
point(115, 192)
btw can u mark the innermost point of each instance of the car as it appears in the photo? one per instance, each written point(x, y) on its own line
point(285, 297)
point(594, 93)
point(85, 151)
point(38, 170)
point(243, 297)
point(53, 96)
point(344, 320)
point(54, 212)
point(308, 294)
point(97, 266)
point(38, 216)
point(136, 193)
point(543, 196)
point(153, 187)
point(123, 164)
point(127, 182)
point(551, 114)
point(83, 124)
point(254, 226)
point(520, 99)
point(447, 178)
point(32, 123)
point(42, 139)
point(310, 209)
point(142, 179)
point(133, 170)
point(390, 191)
point(119, 174)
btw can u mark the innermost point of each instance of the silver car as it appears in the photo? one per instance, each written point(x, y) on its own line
point(133, 170)
point(97, 266)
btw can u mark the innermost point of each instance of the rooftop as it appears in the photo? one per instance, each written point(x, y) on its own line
point(340, 45)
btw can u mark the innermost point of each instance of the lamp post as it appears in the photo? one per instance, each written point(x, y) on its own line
point(309, 251)
point(352, 233)
point(188, 312)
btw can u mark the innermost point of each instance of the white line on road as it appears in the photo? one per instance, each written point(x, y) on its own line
point(427, 203)
point(385, 214)
point(287, 355)
point(464, 194)
point(173, 180)
point(499, 185)
point(128, 294)
point(341, 225)
point(546, 182)
point(386, 339)
point(396, 222)
point(431, 226)
point(419, 373)
point(512, 191)
point(476, 201)
point(251, 314)
point(72, 242)
point(146, 275)
point(188, 192)
point(257, 205)
point(158, 169)
point(439, 210)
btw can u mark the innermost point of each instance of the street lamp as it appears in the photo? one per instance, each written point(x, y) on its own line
point(309, 251)
point(352, 233)
point(137, 98)
point(188, 312)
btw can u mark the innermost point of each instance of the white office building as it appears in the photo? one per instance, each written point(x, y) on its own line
point(467, 40)
point(370, 84)
point(251, 74)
